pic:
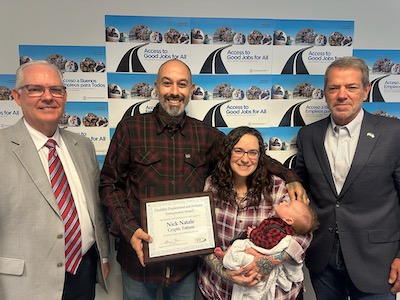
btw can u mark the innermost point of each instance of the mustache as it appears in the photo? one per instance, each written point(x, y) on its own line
point(174, 97)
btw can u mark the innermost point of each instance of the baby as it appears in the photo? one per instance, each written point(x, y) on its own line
point(270, 237)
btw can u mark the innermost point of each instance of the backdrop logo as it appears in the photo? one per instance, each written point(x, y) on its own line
point(290, 163)
point(295, 63)
point(214, 63)
point(134, 110)
point(293, 116)
point(375, 94)
point(214, 116)
point(130, 62)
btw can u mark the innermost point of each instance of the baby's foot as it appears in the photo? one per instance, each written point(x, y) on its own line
point(219, 253)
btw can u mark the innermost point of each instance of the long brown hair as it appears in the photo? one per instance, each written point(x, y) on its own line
point(260, 181)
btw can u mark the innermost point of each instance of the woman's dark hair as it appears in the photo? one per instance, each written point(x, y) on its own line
point(260, 181)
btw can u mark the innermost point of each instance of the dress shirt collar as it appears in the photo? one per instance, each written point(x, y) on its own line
point(353, 126)
point(39, 139)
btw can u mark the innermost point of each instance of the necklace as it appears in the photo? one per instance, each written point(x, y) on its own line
point(240, 195)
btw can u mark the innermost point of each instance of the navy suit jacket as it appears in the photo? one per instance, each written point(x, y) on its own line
point(367, 210)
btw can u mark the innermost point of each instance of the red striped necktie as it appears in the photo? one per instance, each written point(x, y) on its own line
point(66, 204)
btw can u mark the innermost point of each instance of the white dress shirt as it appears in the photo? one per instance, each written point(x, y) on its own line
point(39, 139)
point(340, 146)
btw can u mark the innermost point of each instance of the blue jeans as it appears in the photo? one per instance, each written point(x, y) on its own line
point(136, 290)
point(334, 283)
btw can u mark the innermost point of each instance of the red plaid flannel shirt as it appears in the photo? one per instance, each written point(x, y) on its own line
point(231, 222)
point(270, 231)
point(145, 160)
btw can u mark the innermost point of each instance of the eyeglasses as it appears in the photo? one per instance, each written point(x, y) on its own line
point(35, 90)
point(239, 152)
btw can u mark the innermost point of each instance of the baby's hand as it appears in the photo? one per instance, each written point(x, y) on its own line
point(249, 229)
point(219, 253)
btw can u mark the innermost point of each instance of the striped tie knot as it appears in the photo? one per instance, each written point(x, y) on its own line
point(51, 144)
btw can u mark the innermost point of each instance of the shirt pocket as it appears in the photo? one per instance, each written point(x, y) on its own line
point(11, 266)
point(195, 171)
point(383, 235)
point(147, 170)
point(146, 158)
point(195, 160)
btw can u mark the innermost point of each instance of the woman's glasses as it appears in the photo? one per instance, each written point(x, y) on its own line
point(239, 152)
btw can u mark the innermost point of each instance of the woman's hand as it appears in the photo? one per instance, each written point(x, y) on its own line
point(262, 265)
point(242, 277)
point(258, 270)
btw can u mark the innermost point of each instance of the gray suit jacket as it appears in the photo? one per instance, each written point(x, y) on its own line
point(31, 228)
point(367, 210)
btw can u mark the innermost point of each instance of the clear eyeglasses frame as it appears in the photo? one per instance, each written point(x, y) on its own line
point(35, 90)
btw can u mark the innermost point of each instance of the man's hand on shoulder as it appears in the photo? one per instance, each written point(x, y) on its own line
point(296, 191)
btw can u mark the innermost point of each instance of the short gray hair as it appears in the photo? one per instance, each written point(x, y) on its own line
point(19, 74)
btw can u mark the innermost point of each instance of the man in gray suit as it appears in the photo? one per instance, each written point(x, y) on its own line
point(32, 250)
point(350, 164)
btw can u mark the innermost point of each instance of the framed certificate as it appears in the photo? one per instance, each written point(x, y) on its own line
point(180, 225)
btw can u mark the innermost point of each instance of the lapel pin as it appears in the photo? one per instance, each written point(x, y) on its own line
point(371, 135)
point(187, 155)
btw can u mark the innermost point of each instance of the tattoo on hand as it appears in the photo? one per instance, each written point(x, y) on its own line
point(216, 264)
point(265, 265)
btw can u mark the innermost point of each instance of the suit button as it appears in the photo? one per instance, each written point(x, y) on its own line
point(337, 204)
point(60, 236)
point(59, 265)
